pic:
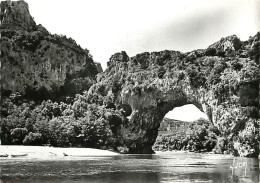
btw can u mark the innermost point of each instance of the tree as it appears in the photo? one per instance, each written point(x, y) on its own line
point(18, 135)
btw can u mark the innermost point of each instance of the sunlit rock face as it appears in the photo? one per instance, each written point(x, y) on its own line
point(36, 63)
point(222, 81)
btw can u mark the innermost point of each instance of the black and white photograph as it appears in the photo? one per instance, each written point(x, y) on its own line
point(129, 91)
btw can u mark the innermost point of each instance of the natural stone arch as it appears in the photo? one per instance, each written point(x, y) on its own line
point(215, 80)
point(149, 110)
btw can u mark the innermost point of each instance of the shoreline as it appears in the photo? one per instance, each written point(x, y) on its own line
point(46, 152)
point(20, 152)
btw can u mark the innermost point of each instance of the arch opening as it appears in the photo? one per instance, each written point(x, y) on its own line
point(188, 112)
point(186, 128)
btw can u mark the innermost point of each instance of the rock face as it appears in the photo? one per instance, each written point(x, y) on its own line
point(222, 81)
point(15, 15)
point(38, 64)
point(99, 67)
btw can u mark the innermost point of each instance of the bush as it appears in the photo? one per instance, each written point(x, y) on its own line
point(18, 135)
point(236, 65)
point(163, 57)
point(196, 78)
point(181, 76)
point(211, 52)
point(33, 139)
point(161, 72)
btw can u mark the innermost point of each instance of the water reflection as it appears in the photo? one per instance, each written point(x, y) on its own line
point(164, 167)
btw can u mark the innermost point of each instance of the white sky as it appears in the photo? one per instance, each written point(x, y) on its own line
point(108, 26)
point(186, 113)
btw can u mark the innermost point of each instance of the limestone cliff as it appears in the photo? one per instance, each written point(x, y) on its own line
point(15, 15)
point(222, 81)
point(36, 63)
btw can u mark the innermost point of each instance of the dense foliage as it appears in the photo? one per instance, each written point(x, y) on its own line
point(56, 124)
point(196, 136)
point(202, 136)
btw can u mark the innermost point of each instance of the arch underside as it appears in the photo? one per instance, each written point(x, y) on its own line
point(139, 131)
point(148, 110)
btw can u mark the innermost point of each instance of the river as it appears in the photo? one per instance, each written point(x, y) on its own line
point(164, 167)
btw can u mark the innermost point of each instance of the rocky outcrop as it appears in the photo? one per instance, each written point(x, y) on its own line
point(38, 64)
point(15, 15)
point(222, 81)
point(99, 67)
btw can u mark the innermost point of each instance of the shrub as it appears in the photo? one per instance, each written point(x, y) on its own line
point(163, 57)
point(211, 52)
point(161, 72)
point(236, 65)
point(196, 78)
point(181, 76)
point(18, 135)
point(33, 139)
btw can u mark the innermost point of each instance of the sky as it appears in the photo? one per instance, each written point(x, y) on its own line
point(108, 26)
point(186, 113)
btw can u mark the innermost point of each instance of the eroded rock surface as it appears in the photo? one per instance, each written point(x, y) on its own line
point(222, 81)
point(38, 64)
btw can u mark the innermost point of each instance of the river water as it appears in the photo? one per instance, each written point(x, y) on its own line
point(161, 167)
